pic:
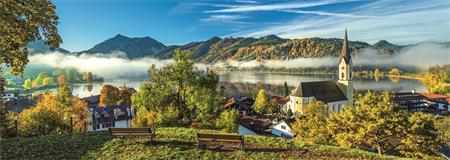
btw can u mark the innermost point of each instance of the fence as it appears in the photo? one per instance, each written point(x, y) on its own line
point(13, 131)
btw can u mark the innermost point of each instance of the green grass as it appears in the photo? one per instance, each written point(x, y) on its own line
point(171, 143)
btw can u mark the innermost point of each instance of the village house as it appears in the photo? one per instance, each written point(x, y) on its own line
point(10, 95)
point(241, 103)
point(411, 101)
point(250, 125)
point(116, 116)
point(441, 102)
point(283, 129)
point(335, 94)
point(104, 117)
point(19, 104)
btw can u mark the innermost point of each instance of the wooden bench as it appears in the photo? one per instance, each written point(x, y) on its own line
point(132, 132)
point(204, 138)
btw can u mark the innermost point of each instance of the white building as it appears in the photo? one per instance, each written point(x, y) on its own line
point(335, 94)
point(10, 95)
point(283, 129)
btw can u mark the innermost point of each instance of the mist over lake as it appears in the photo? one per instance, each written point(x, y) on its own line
point(248, 83)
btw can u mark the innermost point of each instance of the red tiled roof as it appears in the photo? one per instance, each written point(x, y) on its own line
point(255, 124)
point(433, 96)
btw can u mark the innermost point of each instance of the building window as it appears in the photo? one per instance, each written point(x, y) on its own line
point(342, 75)
point(103, 125)
point(283, 127)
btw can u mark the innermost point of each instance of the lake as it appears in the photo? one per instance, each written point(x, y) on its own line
point(248, 83)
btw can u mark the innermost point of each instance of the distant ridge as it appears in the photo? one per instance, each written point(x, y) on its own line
point(218, 49)
point(133, 47)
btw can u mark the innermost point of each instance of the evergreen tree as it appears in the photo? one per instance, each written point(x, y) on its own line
point(285, 89)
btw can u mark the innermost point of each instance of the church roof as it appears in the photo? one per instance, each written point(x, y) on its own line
point(325, 91)
point(345, 52)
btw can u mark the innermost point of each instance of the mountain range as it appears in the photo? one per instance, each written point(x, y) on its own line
point(218, 49)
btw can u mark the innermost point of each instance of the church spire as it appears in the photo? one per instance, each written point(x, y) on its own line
point(345, 53)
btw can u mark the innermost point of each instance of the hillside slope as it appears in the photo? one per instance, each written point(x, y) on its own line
point(133, 47)
point(171, 143)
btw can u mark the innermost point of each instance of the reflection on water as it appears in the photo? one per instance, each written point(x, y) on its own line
point(248, 83)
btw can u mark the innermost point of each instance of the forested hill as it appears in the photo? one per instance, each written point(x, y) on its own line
point(271, 47)
point(241, 49)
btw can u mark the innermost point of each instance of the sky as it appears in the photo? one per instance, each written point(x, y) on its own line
point(85, 23)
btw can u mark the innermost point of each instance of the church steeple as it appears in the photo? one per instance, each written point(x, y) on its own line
point(345, 52)
point(345, 70)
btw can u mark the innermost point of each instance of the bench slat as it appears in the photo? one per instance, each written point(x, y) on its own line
point(130, 134)
point(220, 136)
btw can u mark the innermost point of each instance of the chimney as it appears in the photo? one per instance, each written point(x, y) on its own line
point(413, 91)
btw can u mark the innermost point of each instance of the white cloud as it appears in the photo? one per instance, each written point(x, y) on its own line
point(273, 7)
point(406, 22)
point(224, 18)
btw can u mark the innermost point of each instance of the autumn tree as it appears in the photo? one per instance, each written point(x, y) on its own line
point(378, 124)
point(53, 114)
point(421, 138)
point(48, 81)
point(27, 84)
point(228, 121)
point(311, 126)
point(144, 118)
point(64, 96)
point(394, 71)
point(87, 76)
point(22, 22)
point(109, 95)
point(260, 106)
point(44, 118)
point(62, 80)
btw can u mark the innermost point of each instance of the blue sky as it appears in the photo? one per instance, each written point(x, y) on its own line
point(84, 23)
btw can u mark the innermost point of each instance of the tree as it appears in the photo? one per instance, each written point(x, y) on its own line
point(311, 126)
point(109, 95)
point(289, 114)
point(421, 140)
point(3, 121)
point(58, 72)
point(79, 112)
point(260, 106)
point(62, 80)
point(180, 94)
point(364, 127)
point(87, 76)
point(394, 71)
point(443, 128)
point(144, 118)
point(53, 113)
point(64, 95)
point(47, 81)
point(378, 124)
point(285, 89)
point(228, 121)
point(22, 22)
point(125, 95)
point(10, 84)
point(44, 118)
point(27, 84)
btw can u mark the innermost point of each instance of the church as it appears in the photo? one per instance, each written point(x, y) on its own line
point(335, 94)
